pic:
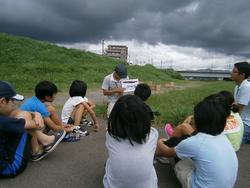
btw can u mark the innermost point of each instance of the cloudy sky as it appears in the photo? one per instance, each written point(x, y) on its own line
point(167, 33)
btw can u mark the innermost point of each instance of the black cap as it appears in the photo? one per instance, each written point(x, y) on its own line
point(7, 91)
point(121, 70)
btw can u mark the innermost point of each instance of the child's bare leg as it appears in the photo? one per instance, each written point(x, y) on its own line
point(84, 114)
point(96, 127)
point(77, 114)
point(34, 144)
point(38, 138)
point(158, 151)
point(53, 114)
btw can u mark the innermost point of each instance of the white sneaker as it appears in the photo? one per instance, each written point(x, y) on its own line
point(163, 160)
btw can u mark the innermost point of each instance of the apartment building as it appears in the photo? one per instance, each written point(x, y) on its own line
point(117, 51)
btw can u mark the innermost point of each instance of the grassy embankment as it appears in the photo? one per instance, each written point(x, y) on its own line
point(175, 105)
point(24, 62)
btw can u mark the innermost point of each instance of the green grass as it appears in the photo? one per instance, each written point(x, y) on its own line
point(24, 62)
point(175, 105)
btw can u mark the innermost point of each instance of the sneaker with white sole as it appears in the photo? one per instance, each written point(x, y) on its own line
point(38, 156)
point(58, 138)
point(86, 122)
point(77, 127)
point(81, 132)
point(163, 160)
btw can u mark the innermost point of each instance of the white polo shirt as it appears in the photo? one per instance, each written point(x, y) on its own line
point(242, 96)
point(110, 83)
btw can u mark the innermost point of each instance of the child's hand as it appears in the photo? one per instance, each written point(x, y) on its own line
point(96, 127)
point(67, 125)
point(162, 140)
point(38, 120)
point(189, 119)
point(161, 145)
point(119, 91)
point(68, 128)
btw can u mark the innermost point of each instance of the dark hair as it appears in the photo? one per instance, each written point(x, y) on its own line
point(45, 89)
point(210, 114)
point(243, 67)
point(129, 119)
point(78, 88)
point(143, 91)
point(230, 100)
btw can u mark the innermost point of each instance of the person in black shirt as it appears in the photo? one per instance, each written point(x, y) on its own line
point(143, 91)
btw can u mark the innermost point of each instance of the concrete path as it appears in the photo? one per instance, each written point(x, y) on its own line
point(81, 164)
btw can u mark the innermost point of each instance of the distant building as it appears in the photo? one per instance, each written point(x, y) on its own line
point(117, 51)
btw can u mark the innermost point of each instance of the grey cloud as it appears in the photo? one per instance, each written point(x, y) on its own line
point(214, 25)
point(218, 25)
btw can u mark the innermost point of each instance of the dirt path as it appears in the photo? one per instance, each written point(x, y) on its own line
point(97, 96)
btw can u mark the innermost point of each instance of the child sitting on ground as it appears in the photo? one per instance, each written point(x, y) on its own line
point(233, 129)
point(143, 91)
point(16, 127)
point(77, 105)
point(84, 120)
point(45, 91)
point(202, 153)
point(131, 143)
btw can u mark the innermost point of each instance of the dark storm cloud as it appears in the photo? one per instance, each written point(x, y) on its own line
point(216, 25)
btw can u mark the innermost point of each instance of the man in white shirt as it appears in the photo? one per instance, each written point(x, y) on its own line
point(111, 86)
point(240, 73)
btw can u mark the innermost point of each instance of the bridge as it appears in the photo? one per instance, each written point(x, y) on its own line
point(205, 74)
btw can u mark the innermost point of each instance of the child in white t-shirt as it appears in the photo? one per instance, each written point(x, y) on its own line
point(131, 144)
point(78, 105)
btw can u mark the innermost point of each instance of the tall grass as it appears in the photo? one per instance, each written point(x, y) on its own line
point(175, 105)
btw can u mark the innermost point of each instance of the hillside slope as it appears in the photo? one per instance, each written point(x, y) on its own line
point(24, 62)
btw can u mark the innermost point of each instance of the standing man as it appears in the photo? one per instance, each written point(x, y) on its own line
point(111, 86)
point(240, 73)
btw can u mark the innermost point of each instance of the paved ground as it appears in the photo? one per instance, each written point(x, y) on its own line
point(81, 164)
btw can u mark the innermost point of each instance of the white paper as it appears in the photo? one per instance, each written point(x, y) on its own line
point(129, 85)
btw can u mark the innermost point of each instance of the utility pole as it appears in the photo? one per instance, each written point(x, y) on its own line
point(102, 47)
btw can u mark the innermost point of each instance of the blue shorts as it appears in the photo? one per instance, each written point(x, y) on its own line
point(246, 135)
point(21, 158)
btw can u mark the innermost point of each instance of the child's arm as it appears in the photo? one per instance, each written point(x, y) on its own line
point(119, 91)
point(33, 120)
point(53, 114)
point(164, 150)
point(56, 120)
point(55, 127)
point(189, 120)
point(91, 104)
point(37, 117)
